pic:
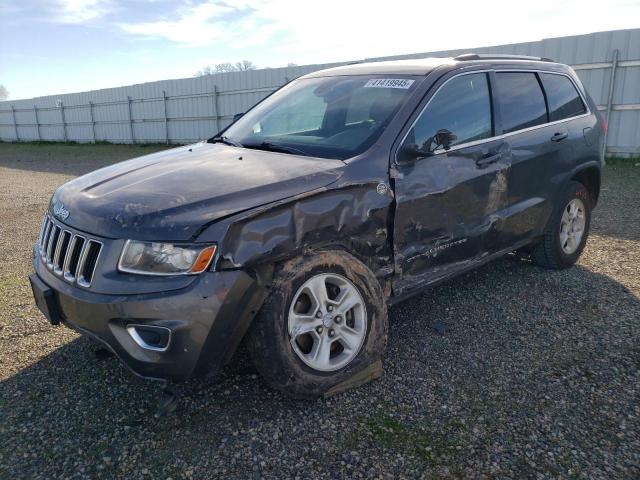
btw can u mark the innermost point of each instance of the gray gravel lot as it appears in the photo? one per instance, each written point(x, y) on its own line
point(510, 371)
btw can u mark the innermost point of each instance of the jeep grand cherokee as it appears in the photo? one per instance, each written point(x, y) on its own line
point(343, 192)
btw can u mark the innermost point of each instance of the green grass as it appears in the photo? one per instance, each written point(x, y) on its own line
point(51, 154)
point(620, 161)
point(89, 144)
point(424, 442)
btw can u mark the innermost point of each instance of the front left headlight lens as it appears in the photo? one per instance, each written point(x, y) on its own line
point(155, 258)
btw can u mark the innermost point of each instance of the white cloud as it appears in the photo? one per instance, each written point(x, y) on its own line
point(272, 32)
point(80, 11)
point(194, 26)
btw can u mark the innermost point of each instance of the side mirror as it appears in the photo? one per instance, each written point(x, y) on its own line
point(444, 138)
point(237, 116)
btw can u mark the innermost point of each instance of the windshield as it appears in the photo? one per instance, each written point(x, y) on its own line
point(330, 117)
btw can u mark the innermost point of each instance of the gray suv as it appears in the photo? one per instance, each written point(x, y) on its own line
point(294, 229)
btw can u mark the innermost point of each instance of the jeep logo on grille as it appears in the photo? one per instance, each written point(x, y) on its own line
point(60, 212)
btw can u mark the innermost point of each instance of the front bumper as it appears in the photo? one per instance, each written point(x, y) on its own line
point(207, 320)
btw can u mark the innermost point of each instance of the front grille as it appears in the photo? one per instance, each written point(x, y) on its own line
point(68, 254)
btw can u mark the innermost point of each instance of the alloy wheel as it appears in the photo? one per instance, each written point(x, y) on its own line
point(327, 322)
point(572, 226)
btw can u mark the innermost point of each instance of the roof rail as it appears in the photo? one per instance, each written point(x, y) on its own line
point(498, 56)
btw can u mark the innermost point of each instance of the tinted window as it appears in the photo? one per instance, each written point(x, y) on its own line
point(462, 106)
point(521, 100)
point(562, 96)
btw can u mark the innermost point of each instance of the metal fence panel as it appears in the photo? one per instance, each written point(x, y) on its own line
point(186, 110)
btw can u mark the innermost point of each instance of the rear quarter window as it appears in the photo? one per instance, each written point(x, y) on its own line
point(521, 100)
point(562, 96)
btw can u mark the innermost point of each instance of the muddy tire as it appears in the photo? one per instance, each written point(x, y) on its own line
point(566, 233)
point(303, 342)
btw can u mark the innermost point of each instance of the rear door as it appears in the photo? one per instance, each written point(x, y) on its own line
point(568, 114)
point(446, 200)
point(542, 147)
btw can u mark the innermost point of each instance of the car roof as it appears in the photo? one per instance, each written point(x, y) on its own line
point(423, 66)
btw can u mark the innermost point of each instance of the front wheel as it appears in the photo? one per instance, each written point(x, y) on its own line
point(566, 233)
point(324, 321)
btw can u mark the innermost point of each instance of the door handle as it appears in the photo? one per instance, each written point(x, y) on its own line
point(488, 159)
point(558, 137)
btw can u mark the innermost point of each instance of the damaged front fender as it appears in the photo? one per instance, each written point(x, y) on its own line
point(354, 217)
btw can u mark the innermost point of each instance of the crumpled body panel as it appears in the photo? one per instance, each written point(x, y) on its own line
point(355, 218)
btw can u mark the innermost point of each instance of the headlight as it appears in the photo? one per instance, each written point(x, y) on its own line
point(151, 258)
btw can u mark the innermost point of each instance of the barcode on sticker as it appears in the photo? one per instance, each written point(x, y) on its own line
point(389, 83)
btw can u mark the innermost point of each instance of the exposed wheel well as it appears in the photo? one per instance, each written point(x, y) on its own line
point(590, 178)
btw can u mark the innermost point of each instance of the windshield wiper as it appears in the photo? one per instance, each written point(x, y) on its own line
point(226, 140)
point(272, 147)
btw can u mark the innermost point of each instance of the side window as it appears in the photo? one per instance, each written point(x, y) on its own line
point(461, 110)
point(562, 96)
point(521, 100)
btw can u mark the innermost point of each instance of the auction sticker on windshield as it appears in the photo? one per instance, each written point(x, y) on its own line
point(389, 83)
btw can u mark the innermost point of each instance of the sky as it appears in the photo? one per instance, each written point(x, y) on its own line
point(61, 46)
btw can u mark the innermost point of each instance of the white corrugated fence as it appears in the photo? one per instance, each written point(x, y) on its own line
point(190, 109)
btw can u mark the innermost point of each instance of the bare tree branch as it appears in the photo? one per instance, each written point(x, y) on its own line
point(242, 66)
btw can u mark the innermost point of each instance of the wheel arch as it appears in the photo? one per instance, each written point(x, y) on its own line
point(590, 177)
point(353, 218)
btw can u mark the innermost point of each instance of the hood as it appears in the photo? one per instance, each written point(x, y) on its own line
point(171, 195)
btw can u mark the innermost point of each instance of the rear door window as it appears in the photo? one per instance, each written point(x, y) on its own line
point(562, 96)
point(521, 100)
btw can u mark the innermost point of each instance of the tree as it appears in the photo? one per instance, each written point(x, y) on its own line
point(242, 66)
point(205, 71)
point(4, 93)
point(225, 67)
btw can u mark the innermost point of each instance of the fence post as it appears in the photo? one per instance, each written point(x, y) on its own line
point(64, 122)
point(133, 138)
point(93, 122)
point(166, 120)
point(215, 104)
point(35, 114)
point(612, 81)
point(15, 124)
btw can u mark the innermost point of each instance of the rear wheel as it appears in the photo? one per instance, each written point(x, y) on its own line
point(324, 321)
point(566, 234)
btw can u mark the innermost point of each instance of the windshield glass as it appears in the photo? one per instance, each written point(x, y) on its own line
point(330, 117)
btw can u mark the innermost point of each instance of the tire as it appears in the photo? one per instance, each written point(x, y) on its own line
point(297, 367)
point(555, 251)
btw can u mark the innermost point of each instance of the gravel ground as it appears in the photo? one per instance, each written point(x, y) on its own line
point(510, 371)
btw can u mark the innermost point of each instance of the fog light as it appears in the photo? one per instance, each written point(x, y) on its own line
point(150, 337)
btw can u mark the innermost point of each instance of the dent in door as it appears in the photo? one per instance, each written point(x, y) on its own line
point(446, 208)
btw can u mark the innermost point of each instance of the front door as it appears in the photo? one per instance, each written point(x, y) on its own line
point(450, 180)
